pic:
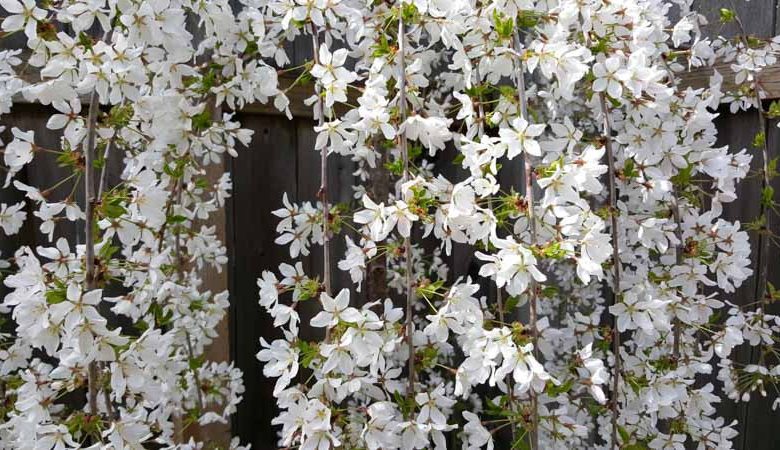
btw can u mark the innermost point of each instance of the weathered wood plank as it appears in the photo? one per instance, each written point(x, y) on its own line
point(758, 17)
point(769, 79)
point(738, 131)
point(261, 175)
point(758, 417)
point(340, 181)
point(44, 172)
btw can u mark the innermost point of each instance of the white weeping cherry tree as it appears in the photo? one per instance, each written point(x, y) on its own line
point(613, 243)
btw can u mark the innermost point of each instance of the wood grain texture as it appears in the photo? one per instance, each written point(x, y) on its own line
point(756, 417)
point(261, 175)
point(758, 16)
point(769, 79)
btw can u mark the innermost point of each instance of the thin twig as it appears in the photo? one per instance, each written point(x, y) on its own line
point(112, 413)
point(407, 240)
point(195, 374)
point(678, 252)
point(180, 276)
point(615, 264)
point(89, 254)
point(528, 178)
point(103, 170)
point(764, 233)
point(763, 243)
point(323, 192)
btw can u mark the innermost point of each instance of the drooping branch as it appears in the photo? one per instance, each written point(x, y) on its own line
point(406, 176)
point(323, 192)
point(528, 188)
point(762, 260)
point(616, 265)
point(89, 244)
point(378, 187)
point(678, 253)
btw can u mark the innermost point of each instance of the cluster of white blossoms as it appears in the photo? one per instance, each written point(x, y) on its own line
point(104, 341)
point(598, 312)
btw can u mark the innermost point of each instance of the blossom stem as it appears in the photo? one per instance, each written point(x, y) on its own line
point(762, 265)
point(678, 252)
point(104, 169)
point(616, 265)
point(764, 232)
point(107, 399)
point(180, 273)
point(195, 374)
point(499, 293)
point(528, 178)
point(676, 324)
point(407, 241)
point(323, 192)
point(379, 187)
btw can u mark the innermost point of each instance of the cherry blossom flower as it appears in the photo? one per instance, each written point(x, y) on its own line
point(520, 138)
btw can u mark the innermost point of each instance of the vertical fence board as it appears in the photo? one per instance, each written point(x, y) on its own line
point(261, 175)
point(737, 131)
point(758, 16)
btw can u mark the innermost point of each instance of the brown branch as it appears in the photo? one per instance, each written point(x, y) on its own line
point(323, 192)
point(528, 177)
point(89, 254)
point(407, 241)
point(615, 263)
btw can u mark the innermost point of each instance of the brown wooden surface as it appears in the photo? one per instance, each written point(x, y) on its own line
point(759, 18)
point(769, 79)
point(755, 417)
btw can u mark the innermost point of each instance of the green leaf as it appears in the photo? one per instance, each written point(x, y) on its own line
point(549, 291)
point(504, 27)
point(774, 110)
point(727, 15)
point(759, 140)
point(553, 390)
point(201, 121)
point(635, 446)
point(527, 19)
point(683, 177)
point(624, 436)
point(196, 363)
point(511, 303)
point(309, 351)
point(410, 13)
point(629, 169)
point(768, 196)
point(58, 295)
point(107, 252)
point(112, 210)
point(85, 40)
point(395, 167)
